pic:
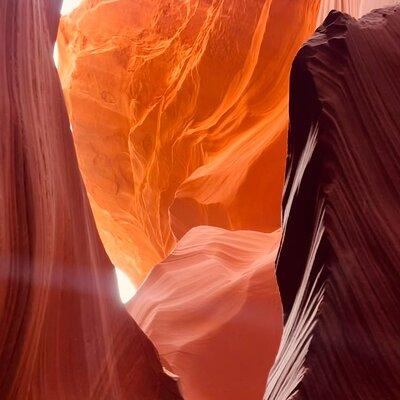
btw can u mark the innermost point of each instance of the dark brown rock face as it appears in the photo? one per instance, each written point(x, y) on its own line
point(63, 332)
point(339, 264)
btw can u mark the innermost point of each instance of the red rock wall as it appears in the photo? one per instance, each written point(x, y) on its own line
point(63, 332)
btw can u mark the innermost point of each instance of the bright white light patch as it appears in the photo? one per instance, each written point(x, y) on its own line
point(55, 55)
point(126, 288)
point(69, 5)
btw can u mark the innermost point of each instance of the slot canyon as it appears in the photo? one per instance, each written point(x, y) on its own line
point(200, 200)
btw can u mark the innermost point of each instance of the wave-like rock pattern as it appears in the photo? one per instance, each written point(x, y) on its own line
point(209, 308)
point(179, 114)
point(338, 265)
point(63, 332)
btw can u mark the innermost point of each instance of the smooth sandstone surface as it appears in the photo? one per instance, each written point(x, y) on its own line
point(179, 115)
point(64, 334)
point(338, 265)
point(212, 309)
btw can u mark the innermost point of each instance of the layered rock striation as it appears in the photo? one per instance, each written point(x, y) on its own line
point(338, 264)
point(212, 309)
point(63, 332)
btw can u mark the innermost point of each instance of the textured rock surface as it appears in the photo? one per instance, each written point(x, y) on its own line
point(213, 311)
point(179, 113)
point(63, 332)
point(338, 266)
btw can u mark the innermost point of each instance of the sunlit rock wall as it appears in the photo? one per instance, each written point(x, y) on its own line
point(179, 115)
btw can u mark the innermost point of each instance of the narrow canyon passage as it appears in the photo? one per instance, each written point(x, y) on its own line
point(199, 199)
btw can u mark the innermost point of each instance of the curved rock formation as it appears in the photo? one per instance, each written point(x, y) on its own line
point(338, 265)
point(209, 308)
point(179, 114)
point(63, 332)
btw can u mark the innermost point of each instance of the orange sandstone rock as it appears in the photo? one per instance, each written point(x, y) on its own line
point(179, 115)
point(212, 309)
